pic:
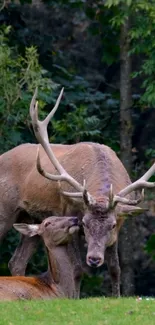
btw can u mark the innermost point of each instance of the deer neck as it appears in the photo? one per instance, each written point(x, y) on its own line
point(64, 269)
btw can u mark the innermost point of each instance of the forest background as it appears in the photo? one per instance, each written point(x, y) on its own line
point(103, 53)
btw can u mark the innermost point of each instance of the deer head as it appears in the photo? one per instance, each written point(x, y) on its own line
point(100, 224)
point(54, 230)
point(100, 214)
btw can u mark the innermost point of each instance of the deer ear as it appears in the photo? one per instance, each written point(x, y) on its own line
point(88, 199)
point(25, 229)
point(129, 210)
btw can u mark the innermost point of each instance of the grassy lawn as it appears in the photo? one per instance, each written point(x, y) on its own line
point(95, 311)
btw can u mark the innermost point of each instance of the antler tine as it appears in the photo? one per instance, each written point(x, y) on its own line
point(44, 173)
point(119, 199)
point(40, 127)
point(111, 196)
point(34, 106)
point(40, 130)
point(75, 194)
point(50, 115)
point(139, 184)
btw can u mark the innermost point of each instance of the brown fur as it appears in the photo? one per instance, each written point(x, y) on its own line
point(20, 287)
point(56, 282)
point(28, 190)
point(23, 189)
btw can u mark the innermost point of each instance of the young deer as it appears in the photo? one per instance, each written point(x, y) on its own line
point(61, 278)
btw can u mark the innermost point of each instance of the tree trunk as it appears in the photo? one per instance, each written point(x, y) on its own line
point(125, 98)
point(126, 235)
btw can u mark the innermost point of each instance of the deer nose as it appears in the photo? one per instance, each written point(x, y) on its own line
point(94, 261)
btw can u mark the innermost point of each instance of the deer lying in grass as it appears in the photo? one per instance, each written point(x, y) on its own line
point(60, 279)
point(101, 202)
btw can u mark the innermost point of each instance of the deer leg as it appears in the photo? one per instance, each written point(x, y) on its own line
point(6, 222)
point(114, 268)
point(22, 254)
point(4, 228)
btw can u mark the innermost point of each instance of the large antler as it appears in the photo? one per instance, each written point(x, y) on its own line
point(139, 184)
point(40, 130)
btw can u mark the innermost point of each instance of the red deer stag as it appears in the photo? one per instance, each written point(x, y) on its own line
point(100, 202)
point(59, 280)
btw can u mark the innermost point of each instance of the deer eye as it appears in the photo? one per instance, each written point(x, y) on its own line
point(113, 226)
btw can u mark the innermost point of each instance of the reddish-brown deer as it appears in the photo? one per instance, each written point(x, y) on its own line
point(60, 279)
point(103, 193)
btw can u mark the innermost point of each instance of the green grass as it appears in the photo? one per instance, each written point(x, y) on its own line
point(94, 311)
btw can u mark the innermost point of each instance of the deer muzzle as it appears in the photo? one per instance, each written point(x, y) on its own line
point(95, 259)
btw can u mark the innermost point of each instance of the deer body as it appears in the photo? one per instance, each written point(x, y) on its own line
point(21, 287)
point(36, 195)
point(59, 281)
